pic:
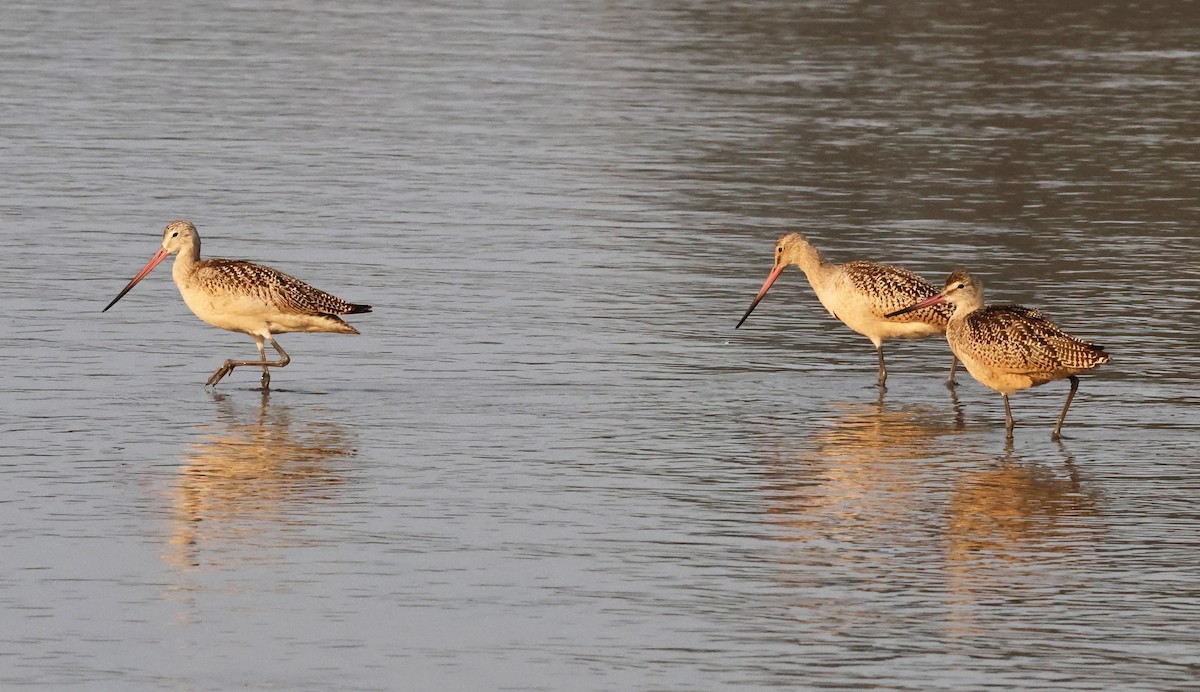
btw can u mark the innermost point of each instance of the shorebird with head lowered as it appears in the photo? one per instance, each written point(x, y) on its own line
point(861, 294)
point(245, 297)
point(1008, 348)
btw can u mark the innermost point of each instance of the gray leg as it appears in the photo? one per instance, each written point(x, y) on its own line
point(262, 356)
point(1008, 420)
point(283, 357)
point(1057, 434)
point(953, 365)
point(262, 361)
point(882, 367)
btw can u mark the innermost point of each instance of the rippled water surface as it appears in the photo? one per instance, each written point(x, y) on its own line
point(550, 462)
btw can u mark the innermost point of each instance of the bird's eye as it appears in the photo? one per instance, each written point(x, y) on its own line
point(175, 234)
point(962, 285)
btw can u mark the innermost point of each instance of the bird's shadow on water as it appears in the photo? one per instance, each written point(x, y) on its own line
point(247, 485)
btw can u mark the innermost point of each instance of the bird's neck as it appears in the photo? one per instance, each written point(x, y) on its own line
point(185, 263)
point(816, 269)
point(964, 308)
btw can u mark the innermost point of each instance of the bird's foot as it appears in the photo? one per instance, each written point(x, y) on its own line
point(220, 374)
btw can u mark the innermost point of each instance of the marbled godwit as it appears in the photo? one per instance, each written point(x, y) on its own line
point(245, 297)
point(860, 294)
point(1009, 347)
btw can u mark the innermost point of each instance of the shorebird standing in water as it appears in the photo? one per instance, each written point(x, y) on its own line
point(244, 297)
point(1009, 347)
point(861, 294)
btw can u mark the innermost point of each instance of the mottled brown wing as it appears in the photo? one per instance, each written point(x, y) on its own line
point(893, 288)
point(1022, 340)
point(272, 286)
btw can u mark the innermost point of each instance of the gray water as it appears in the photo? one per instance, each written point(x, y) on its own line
point(550, 462)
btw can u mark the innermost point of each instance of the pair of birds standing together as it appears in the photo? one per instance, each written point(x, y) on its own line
point(1006, 348)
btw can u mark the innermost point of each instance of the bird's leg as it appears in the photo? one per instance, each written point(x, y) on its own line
point(882, 367)
point(262, 361)
point(228, 366)
point(1057, 434)
point(283, 360)
point(953, 365)
point(262, 356)
point(222, 372)
point(1008, 420)
point(283, 357)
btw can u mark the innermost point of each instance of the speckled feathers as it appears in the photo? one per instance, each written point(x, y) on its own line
point(284, 291)
point(1011, 347)
point(251, 298)
point(1021, 340)
point(892, 288)
point(244, 297)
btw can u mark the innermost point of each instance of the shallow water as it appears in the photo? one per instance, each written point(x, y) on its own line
point(550, 462)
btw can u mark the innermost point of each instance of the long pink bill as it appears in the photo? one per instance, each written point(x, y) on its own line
point(762, 292)
point(154, 262)
point(932, 300)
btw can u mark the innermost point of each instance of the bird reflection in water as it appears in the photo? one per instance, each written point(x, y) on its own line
point(1009, 523)
point(249, 483)
point(854, 509)
point(871, 467)
point(890, 501)
point(880, 431)
point(1014, 506)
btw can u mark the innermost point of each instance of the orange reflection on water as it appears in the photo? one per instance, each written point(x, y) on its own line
point(873, 506)
point(250, 481)
point(1012, 531)
point(868, 470)
point(1016, 507)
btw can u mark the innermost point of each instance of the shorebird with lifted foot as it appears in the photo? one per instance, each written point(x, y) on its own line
point(245, 297)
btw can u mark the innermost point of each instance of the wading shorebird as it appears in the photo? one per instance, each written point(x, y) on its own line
point(1009, 347)
point(861, 294)
point(244, 297)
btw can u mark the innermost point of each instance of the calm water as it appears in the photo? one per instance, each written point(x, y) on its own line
point(550, 462)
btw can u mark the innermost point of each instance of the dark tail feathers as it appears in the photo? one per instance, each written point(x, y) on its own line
point(355, 309)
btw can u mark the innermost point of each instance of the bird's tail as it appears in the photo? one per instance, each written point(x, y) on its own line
point(355, 309)
point(334, 325)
